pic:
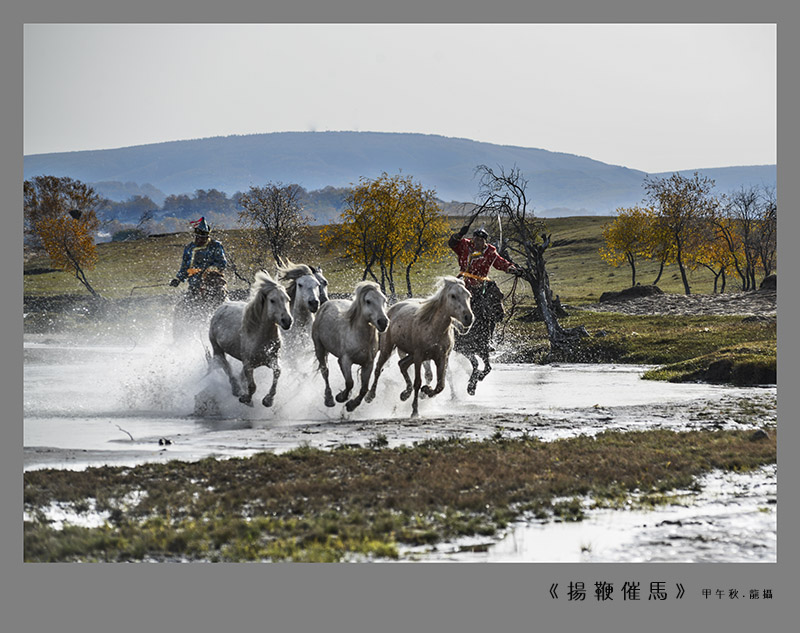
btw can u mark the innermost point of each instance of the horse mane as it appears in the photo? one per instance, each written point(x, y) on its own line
point(260, 288)
point(292, 272)
point(429, 305)
point(353, 313)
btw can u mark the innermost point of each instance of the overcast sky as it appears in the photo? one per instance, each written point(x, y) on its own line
point(650, 97)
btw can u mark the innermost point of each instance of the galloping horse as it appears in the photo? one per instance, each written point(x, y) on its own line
point(349, 331)
point(196, 306)
point(422, 331)
point(307, 291)
point(249, 332)
point(475, 343)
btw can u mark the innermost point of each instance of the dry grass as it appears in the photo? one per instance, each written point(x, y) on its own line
point(327, 505)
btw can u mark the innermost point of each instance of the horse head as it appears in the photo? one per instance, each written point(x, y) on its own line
point(323, 283)
point(304, 287)
point(269, 302)
point(457, 298)
point(370, 302)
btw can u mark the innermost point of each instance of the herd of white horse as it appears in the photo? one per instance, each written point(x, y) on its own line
point(300, 318)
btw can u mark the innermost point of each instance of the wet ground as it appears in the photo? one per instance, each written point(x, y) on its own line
point(91, 404)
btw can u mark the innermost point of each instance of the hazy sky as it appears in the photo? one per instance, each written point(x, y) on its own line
point(650, 97)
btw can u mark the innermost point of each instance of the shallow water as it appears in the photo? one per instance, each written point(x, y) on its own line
point(98, 404)
point(732, 519)
point(124, 404)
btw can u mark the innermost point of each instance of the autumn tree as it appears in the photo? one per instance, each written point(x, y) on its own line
point(681, 207)
point(628, 238)
point(276, 214)
point(390, 224)
point(60, 218)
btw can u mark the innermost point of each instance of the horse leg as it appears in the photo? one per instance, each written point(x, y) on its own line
point(473, 378)
point(247, 379)
point(276, 373)
point(366, 371)
point(428, 372)
point(322, 360)
point(417, 385)
point(382, 358)
point(404, 364)
point(441, 370)
point(219, 357)
point(346, 365)
point(487, 367)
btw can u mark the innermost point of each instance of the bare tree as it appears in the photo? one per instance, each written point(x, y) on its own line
point(277, 214)
point(747, 224)
point(768, 230)
point(524, 241)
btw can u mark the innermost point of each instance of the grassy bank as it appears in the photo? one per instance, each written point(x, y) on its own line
point(577, 273)
point(311, 505)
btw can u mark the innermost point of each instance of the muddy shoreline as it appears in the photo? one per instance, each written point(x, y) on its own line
point(198, 438)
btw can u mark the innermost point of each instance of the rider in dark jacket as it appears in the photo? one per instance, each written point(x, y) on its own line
point(199, 256)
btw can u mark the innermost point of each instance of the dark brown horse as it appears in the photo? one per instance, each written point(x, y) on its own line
point(194, 309)
point(487, 307)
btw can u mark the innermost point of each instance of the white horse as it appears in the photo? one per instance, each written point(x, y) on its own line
point(423, 331)
point(307, 290)
point(248, 331)
point(349, 331)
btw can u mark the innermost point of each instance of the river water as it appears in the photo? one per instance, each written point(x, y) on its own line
point(95, 403)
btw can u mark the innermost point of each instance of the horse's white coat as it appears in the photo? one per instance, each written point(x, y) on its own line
point(349, 331)
point(307, 290)
point(248, 331)
point(422, 331)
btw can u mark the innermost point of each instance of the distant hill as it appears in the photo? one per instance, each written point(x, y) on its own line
point(564, 183)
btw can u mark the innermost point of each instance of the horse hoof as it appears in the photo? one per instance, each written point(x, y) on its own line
point(471, 390)
point(415, 414)
point(341, 397)
point(369, 397)
point(427, 391)
point(350, 406)
point(267, 402)
point(329, 402)
point(404, 396)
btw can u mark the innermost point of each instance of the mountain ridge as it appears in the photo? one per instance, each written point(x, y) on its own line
point(314, 160)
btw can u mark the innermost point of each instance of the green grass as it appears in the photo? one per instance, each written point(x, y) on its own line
point(744, 364)
point(314, 505)
point(577, 274)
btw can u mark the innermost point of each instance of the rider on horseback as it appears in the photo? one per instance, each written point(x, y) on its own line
point(202, 265)
point(198, 256)
point(475, 258)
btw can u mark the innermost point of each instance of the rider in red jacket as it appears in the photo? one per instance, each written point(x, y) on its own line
point(476, 257)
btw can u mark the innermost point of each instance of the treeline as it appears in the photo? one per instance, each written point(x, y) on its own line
point(683, 222)
point(140, 215)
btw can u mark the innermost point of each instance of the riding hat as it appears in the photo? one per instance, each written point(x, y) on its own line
point(481, 232)
point(201, 226)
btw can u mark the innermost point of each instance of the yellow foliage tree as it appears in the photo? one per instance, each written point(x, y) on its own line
point(628, 237)
point(390, 223)
point(60, 218)
point(715, 254)
point(681, 207)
